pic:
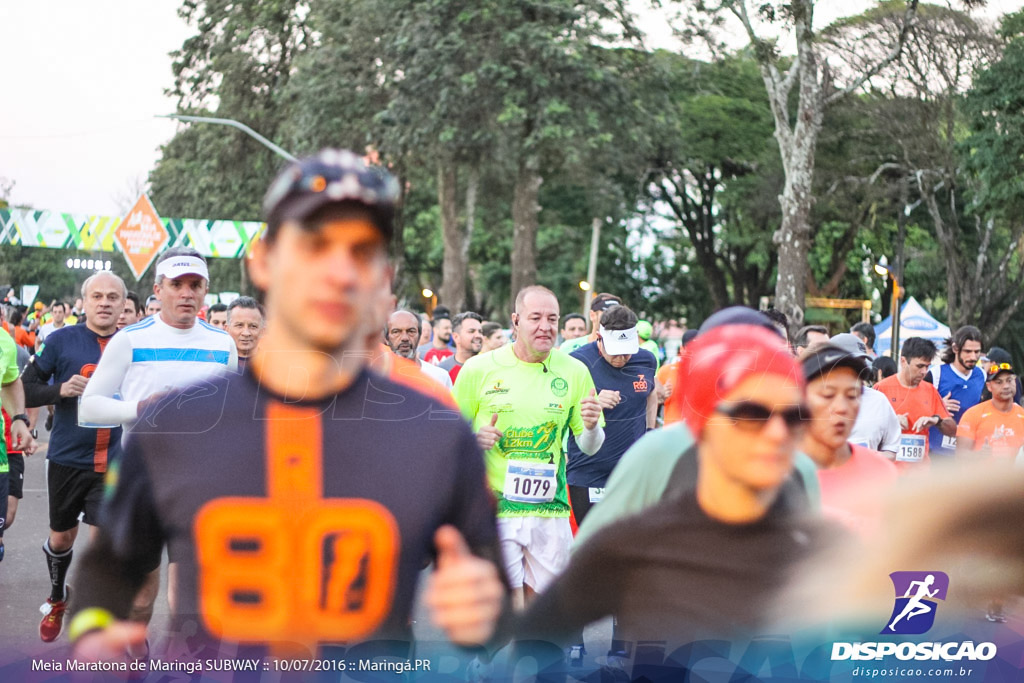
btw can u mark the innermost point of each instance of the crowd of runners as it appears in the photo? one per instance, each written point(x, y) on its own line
point(299, 460)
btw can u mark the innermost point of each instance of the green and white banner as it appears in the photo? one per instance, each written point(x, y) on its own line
point(54, 230)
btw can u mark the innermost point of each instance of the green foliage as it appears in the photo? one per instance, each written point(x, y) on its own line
point(677, 155)
point(994, 110)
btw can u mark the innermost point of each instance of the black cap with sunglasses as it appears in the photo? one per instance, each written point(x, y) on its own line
point(828, 357)
point(996, 369)
point(333, 176)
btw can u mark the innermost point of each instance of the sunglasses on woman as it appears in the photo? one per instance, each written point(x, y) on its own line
point(753, 417)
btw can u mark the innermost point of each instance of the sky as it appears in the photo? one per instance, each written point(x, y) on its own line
point(84, 83)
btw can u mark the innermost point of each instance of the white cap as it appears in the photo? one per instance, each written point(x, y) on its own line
point(620, 342)
point(176, 266)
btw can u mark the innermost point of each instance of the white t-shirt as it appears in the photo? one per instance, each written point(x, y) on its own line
point(46, 330)
point(435, 373)
point(151, 357)
point(877, 426)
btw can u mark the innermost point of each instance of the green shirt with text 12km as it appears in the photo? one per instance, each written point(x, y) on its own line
point(535, 404)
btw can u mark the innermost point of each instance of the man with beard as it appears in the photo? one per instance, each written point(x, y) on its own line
point(469, 339)
point(402, 333)
point(438, 349)
point(959, 382)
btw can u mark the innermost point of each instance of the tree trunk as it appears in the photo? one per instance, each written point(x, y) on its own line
point(398, 240)
point(472, 185)
point(453, 273)
point(797, 143)
point(793, 238)
point(525, 210)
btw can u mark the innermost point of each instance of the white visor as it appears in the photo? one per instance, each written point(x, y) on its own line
point(620, 342)
point(177, 266)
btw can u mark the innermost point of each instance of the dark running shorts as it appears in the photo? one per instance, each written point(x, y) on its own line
point(72, 491)
point(17, 479)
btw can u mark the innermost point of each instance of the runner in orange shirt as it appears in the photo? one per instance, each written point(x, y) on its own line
point(994, 427)
point(917, 404)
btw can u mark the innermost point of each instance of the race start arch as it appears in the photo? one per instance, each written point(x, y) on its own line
point(139, 236)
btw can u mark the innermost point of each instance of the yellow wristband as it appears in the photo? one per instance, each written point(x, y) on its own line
point(91, 619)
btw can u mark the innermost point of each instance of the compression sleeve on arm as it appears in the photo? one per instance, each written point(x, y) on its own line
point(591, 440)
point(98, 403)
point(37, 391)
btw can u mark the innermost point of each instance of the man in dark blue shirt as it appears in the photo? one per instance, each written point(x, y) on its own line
point(624, 377)
point(78, 454)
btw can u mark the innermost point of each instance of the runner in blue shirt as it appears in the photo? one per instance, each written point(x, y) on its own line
point(959, 382)
point(624, 378)
point(79, 453)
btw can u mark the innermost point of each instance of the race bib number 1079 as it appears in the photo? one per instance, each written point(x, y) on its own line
point(529, 482)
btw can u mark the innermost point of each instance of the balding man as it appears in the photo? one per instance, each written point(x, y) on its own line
point(520, 399)
point(79, 452)
point(402, 332)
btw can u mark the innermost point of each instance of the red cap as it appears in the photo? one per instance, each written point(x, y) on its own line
point(718, 361)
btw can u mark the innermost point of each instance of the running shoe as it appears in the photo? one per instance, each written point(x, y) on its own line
point(995, 613)
point(53, 617)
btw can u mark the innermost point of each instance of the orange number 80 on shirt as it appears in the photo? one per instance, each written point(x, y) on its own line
point(269, 573)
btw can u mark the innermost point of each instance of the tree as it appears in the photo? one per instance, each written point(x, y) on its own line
point(991, 289)
point(797, 125)
point(708, 169)
point(236, 66)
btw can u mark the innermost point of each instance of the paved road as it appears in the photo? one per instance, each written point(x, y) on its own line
point(24, 584)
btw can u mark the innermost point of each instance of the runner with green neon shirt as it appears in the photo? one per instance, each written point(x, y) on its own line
point(12, 396)
point(520, 399)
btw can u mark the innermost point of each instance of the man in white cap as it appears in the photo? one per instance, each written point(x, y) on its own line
point(143, 362)
point(623, 375)
point(171, 349)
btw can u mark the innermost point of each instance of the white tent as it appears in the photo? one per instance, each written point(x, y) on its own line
point(915, 321)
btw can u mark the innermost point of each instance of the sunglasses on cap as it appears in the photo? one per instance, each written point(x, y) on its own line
point(330, 176)
point(753, 417)
point(998, 367)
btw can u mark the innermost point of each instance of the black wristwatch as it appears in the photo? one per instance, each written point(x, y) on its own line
point(20, 416)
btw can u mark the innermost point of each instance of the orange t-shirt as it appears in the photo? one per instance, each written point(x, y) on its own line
point(852, 494)
point(667, 372)
point(1002, 434)
point(23, 337)
point(921, 401)
point(668, 375)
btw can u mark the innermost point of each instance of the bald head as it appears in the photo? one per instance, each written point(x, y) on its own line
point(103, 297)
point(536, 323)
point(532, 292)
point(103, 277)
